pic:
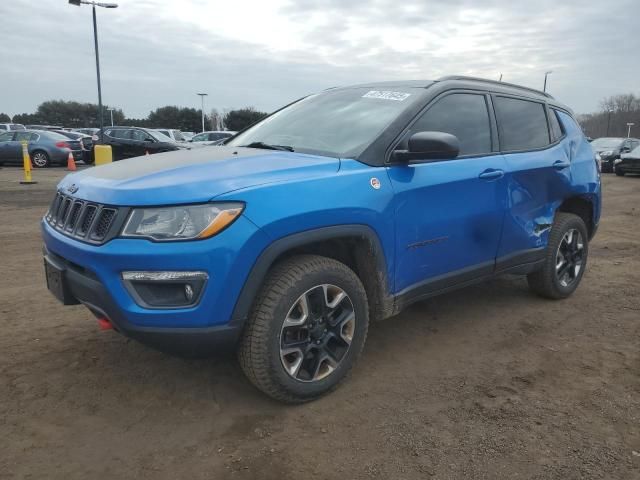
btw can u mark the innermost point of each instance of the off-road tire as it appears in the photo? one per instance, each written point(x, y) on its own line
point(259, 348)
point(545, 282)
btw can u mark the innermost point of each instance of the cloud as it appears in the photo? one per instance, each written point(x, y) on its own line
point(266, 54)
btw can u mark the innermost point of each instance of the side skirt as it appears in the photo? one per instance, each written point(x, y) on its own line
point(520, 263)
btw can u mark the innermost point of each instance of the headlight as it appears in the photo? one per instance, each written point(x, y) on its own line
point(617, 161)
point(186, 222)
point(607, 153)
point(598, 157)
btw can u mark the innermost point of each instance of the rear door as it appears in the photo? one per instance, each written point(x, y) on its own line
point(8, 147)
point(538, 176)
point(115, 139)
point(449, 213)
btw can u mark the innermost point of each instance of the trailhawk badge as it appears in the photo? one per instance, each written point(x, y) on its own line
point(375, 183)
point(73, 188)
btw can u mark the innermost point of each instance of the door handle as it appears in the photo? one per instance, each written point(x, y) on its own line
point(491, 174)
point(560, 164)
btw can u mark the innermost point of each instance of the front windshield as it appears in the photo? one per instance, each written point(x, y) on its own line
point(337, 123)
point(635, 152)
point(161, 137)
point(601, 143)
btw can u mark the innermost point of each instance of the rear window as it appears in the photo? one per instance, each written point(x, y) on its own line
point(523, 124)
point(16, 126)
point(556, 128)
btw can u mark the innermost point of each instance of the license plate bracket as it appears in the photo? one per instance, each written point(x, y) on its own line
point(57, 283)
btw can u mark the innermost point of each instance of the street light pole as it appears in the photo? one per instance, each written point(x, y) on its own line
point(95, 41)
point(629, 125)
point(546, 74)
point(111, 111)
point(202, 95)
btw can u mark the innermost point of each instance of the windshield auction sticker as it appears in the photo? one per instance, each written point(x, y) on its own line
point(387, 95)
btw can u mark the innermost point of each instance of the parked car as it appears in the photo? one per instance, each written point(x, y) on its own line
point(609, 149)
point(5, 127)
point(127, 142)
point(212, 137)
point(45, 147)
point(87, 131)
point(86, 144)
point(173, 134)
point(342, 207)
point(627, 163)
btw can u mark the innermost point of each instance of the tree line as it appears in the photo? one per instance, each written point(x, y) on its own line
point(78, 115)
point(611, 121)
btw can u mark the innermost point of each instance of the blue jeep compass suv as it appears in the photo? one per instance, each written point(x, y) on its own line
point(340, 208)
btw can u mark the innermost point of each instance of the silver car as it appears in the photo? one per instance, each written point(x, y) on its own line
point(45, 148)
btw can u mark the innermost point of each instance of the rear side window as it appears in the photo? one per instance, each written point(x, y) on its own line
point(464, 115)
point(556, 129)
point(22, 136)
point(6, 136)
point(523, 124)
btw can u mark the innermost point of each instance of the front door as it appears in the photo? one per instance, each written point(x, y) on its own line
point(449, 213)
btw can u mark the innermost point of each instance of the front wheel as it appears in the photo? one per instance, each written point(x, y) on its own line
point(618, 171)
point(306, 330)
point(566, 258)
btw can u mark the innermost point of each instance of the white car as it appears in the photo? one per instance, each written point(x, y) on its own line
point(6, 127)
point(212, 137)
point(172, 133)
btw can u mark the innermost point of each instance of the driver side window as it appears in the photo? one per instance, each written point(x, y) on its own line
point(464, 115)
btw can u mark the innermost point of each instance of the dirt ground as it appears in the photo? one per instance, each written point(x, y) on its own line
point(486, 382)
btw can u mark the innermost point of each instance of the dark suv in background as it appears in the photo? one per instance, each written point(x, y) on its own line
point(127, 142)
point(610, 149)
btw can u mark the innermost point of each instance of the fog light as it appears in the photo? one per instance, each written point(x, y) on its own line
point(188, 292)
point(165, 289)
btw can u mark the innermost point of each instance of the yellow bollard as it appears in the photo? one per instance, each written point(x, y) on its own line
point(26, 163)
point(102, 154)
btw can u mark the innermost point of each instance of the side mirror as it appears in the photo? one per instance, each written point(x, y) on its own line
point(148, 139)
point(426, 146)
point(625, 150)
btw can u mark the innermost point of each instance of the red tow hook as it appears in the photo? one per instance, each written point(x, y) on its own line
point(105, 324)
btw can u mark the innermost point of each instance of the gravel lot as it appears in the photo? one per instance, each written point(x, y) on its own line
point(487, 382)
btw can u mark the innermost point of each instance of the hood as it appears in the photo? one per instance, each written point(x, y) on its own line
point(192, 176)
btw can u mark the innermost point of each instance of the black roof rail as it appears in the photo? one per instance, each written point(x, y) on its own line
point(494, 82)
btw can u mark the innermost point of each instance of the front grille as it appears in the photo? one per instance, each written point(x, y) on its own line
point(88, 221)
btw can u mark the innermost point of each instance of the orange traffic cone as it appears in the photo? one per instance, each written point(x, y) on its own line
point(71, 163)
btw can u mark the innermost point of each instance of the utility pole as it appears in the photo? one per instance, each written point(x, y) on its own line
point(95, 42)
point(202, 95)
point(629, 125)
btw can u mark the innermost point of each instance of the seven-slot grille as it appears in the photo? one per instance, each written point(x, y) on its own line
point(88, 221)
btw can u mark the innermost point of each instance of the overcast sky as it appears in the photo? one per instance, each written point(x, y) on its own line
point(265, 53)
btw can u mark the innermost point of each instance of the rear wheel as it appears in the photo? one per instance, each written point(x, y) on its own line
point(566, 258)
point(307, 328)
point(40, 159)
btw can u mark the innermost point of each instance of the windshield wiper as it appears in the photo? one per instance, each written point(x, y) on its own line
point(269, 147)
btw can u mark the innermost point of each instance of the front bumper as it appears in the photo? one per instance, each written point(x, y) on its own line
point(92, 275)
